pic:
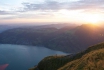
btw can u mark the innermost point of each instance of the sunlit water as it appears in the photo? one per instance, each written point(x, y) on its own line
point(21, 57)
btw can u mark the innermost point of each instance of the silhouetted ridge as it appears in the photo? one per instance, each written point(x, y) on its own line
point(67, 39)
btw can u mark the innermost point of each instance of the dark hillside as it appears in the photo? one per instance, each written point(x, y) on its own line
point(90, 59)
point(67, 39)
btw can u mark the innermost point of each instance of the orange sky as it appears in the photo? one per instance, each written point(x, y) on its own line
point(31, 11)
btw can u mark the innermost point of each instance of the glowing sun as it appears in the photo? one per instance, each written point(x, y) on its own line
point(80, 16)
point(92, 18)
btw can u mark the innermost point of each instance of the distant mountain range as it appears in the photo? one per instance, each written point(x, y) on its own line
point(68, 38)
point(90, 59)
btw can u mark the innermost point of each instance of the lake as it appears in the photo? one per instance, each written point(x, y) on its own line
point(20, 57)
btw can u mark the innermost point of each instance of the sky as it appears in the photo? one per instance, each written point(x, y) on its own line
point(70, 11)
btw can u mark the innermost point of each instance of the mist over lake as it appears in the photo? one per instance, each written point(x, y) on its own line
point(20, 57)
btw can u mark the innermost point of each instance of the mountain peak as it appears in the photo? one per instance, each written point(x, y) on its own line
point(89, 25)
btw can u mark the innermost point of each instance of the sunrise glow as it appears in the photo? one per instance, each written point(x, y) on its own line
point(31, 11)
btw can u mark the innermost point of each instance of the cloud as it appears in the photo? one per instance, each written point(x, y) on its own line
point(55, 5)
point(52, 5)
point(48, 5)
point(4, 13)
point(7, 12)
point(87, 4)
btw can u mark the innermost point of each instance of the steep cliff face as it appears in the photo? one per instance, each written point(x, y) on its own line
point(90, 59)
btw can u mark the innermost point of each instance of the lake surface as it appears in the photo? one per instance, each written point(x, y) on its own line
point(20, 57)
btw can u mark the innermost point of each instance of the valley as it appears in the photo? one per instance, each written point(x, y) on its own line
point(68, 46)
point(67, 39)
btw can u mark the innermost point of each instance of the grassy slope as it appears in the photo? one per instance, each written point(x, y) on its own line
point(52, 63)
point(90, 59)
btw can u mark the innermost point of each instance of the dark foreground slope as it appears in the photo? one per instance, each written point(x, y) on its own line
point(67, 39)
point(90, 59)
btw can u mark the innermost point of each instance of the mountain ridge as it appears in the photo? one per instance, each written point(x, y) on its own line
point(71, 40)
